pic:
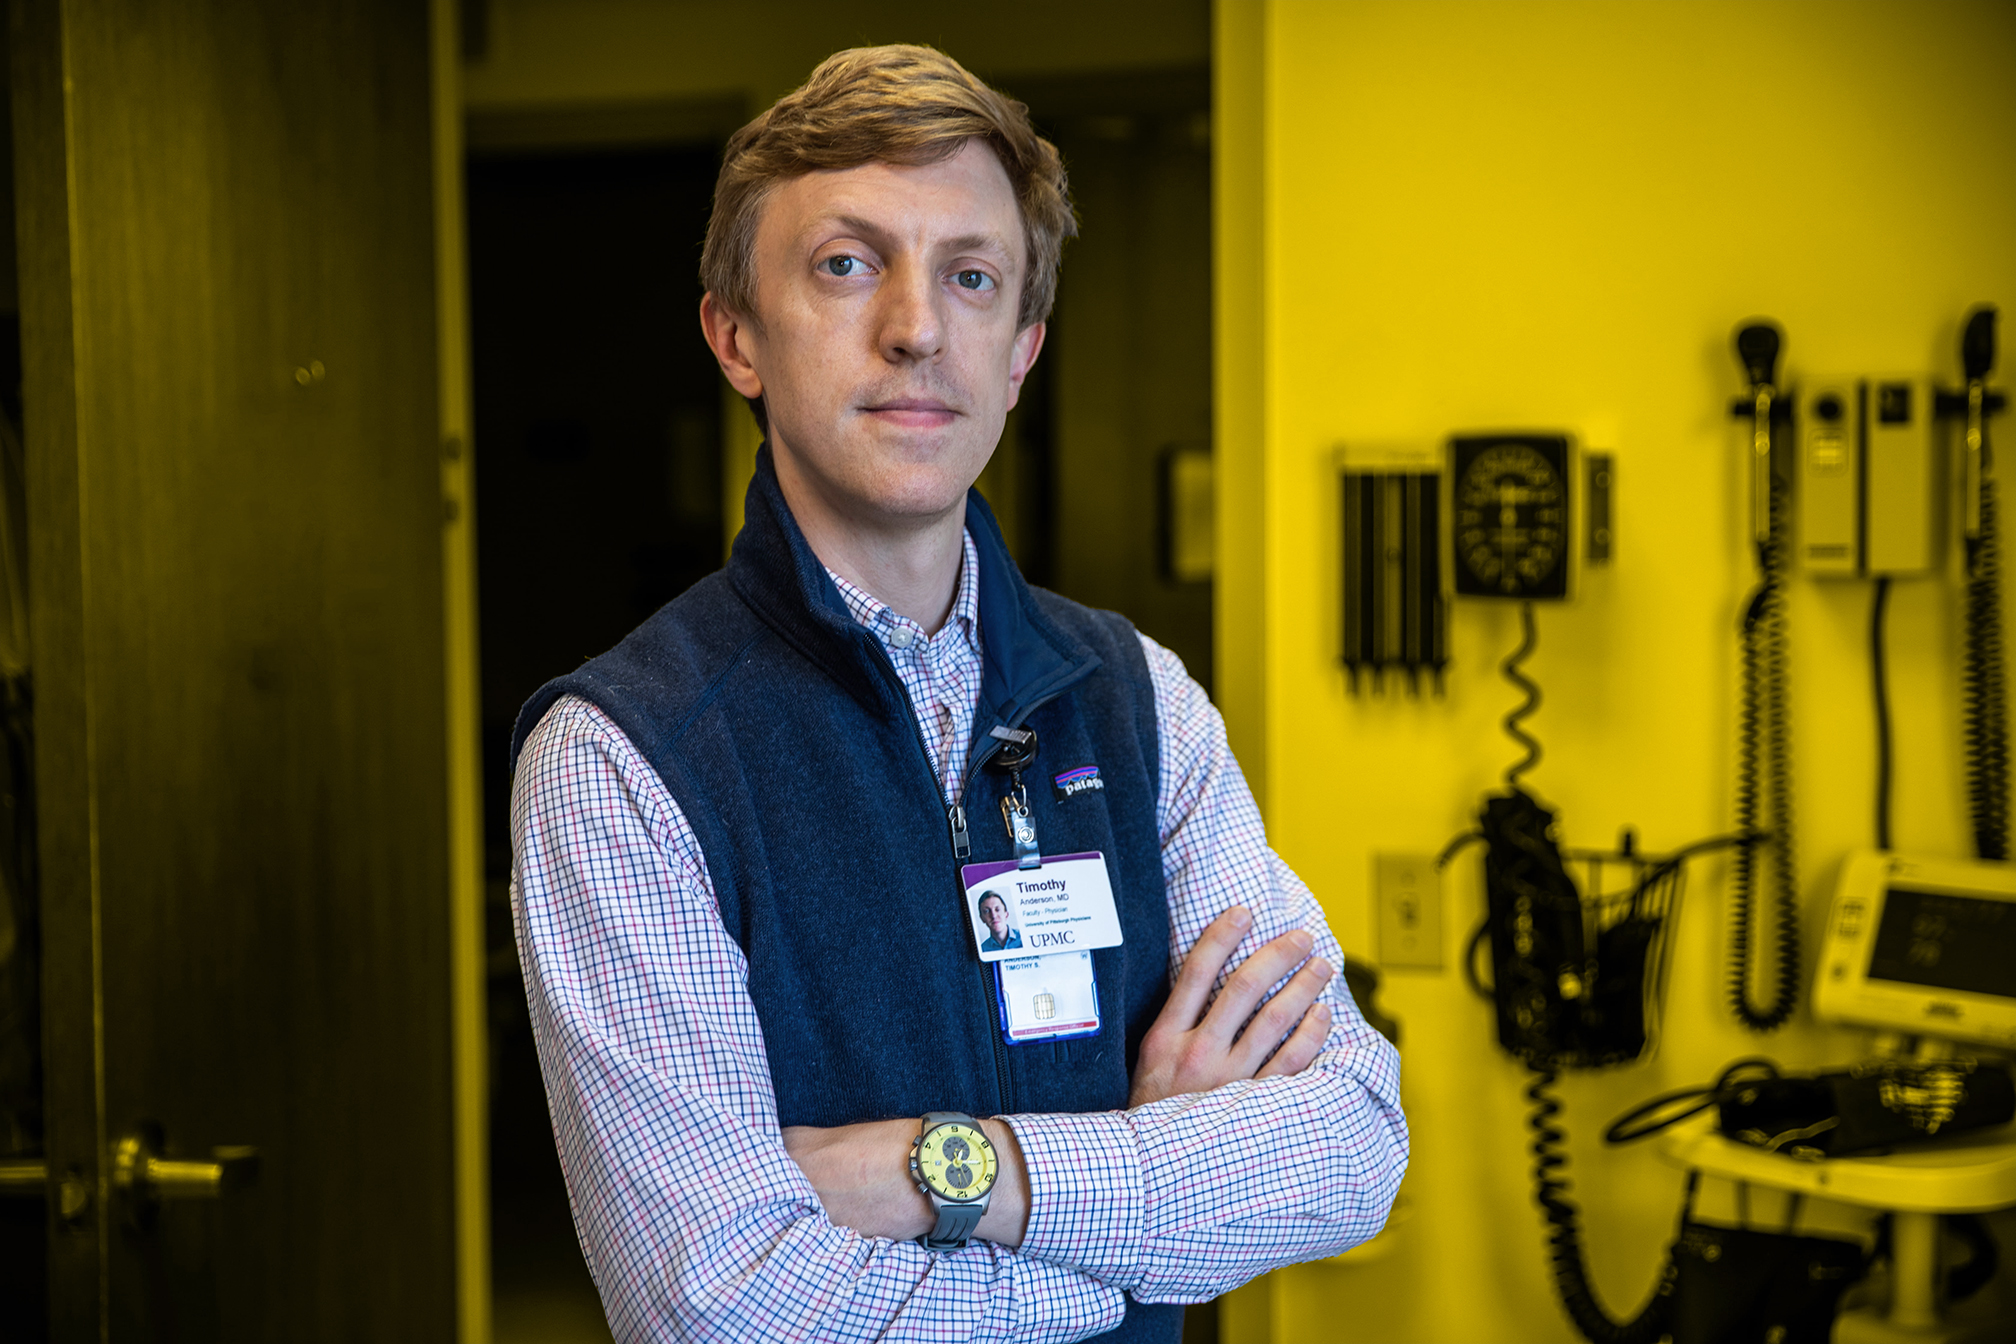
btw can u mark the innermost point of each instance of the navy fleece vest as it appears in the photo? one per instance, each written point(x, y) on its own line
point(780, 727)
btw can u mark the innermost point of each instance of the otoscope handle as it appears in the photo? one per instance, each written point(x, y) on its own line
point(1757, 346)
point(1977, 356)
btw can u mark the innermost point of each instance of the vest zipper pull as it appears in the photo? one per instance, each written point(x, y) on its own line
point(955, 816)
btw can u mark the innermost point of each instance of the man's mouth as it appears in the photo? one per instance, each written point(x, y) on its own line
point(913, 412)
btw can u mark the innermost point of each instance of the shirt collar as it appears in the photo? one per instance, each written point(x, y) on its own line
point(883, 622)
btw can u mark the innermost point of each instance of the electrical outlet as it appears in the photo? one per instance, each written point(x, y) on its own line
point(1408, 893)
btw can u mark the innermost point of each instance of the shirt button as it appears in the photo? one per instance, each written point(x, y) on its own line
point(900, 637)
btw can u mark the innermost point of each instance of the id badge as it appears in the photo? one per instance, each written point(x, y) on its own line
point(1049, 998)
point(1064, 906)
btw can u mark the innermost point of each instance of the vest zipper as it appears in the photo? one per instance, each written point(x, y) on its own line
point(955, 820)
point(990, 991)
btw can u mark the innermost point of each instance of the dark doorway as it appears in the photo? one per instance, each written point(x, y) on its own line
point(598, 414)
point(598, 431)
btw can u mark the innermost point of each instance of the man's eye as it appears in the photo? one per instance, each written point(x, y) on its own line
point(974, 280)
point(841, 265)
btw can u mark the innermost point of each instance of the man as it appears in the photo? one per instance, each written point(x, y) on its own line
point(770, 1132)
point(994, 914)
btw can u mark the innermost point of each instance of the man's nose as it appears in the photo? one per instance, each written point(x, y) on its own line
point(912, 324)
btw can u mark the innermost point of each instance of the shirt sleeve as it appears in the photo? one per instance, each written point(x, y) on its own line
point(695, 1224)
point(1197, 1194)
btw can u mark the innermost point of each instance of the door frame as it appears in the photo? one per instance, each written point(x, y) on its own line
point(78, 1191)
point(467, 968)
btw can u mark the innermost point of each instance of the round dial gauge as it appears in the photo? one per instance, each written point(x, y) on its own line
point(1511, 518)
point(956, 1162)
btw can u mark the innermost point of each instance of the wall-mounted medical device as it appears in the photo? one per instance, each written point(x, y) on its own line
point(1922, 946)
point(1868, 477)
point(1506, 514)
point(1396, 610)
point(1512, 517)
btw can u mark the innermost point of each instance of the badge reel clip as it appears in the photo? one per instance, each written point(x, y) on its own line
point(1018, 752)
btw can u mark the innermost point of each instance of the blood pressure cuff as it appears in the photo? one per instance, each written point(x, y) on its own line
point(1880, 1103)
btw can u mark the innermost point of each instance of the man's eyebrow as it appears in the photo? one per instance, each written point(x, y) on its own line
point(981, 242)
point(965, 242)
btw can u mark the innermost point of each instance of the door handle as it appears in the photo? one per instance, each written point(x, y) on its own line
point(23, 1177)
point(139, 1174)
point(142, 1177)
point(28, 1178)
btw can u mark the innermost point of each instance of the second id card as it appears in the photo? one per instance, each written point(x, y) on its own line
point(1064, 906)
point(1047, 998)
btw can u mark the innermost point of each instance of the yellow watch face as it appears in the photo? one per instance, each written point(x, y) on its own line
point(957, 1162)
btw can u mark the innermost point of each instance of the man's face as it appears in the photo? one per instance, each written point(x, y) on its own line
point(994, 911)
point(884, 343)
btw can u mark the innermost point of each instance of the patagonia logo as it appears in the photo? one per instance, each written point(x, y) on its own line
point(1085, 779)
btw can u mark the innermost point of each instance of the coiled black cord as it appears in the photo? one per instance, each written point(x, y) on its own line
point(1564, 1239)
point(1510, 667)
point(1880, 682)
point(1987, 722)
point(1766, 732)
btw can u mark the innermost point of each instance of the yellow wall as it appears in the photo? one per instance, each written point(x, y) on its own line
point(1553, 214)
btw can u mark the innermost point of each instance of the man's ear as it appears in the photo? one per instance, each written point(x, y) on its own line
point(730, 338)
point(1028, 344)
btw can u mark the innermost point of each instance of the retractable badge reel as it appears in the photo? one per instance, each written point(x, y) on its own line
point(1018, 752)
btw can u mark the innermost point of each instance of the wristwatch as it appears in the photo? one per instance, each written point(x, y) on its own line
point(954, 1165)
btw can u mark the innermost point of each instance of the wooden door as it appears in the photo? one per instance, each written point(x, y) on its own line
point(227, 264)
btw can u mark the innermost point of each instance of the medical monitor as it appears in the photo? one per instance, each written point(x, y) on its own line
point(1925, 946)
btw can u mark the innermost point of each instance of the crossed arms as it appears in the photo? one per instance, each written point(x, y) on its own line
point(698, 1226)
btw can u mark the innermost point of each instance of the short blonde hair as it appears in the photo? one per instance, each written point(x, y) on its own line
point(897, 104)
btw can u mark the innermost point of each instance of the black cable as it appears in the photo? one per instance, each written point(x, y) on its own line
point(1670, 1108)
point(1986, 710)
point(1672, 863)
point(1879, 679)
point(1764, 782)
point(1564, 1240)
point(1510, 667)
point(1477, 940)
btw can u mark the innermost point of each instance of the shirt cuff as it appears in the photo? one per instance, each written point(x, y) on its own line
point(1054, 1304)
point(1086, 1203)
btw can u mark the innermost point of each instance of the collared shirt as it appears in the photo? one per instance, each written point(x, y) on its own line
point(695, 1223)
point(941, 672)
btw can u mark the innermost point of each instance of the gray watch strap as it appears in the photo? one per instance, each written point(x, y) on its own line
point(955, 1226)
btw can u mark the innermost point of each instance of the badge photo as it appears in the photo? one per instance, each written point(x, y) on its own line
point(991, 908)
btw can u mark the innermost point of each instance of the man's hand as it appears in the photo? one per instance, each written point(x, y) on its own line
point(862, 1175)
point(1183, 1054)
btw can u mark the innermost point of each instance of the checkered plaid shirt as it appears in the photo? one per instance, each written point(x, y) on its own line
point(696, 1228)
